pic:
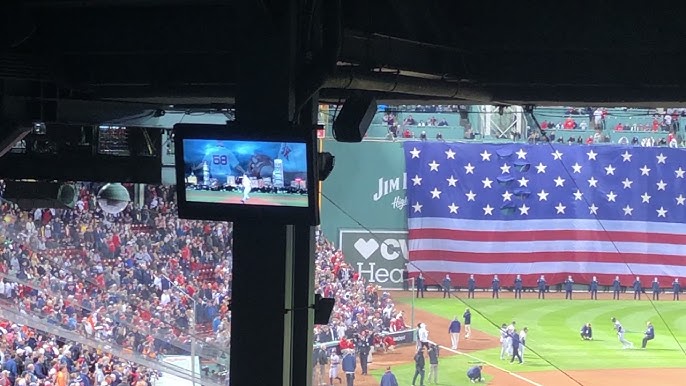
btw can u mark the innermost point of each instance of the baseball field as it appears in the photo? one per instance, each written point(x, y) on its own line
point(555, 353)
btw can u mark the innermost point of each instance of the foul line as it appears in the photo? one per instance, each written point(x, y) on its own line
point(527, 380)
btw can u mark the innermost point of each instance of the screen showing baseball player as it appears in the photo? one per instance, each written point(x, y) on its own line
point(246, 172)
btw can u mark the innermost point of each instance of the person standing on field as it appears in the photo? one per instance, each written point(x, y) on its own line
point(467, 316)
point(518, 287)
point(569, 286)
point(656, 289)
point(616, 288)
point(594, 288)
point(541, 287)
point(454, 331)
point(637, 288)
point(471, 287)
point(433, 363)
point(676, 288)
point(447, 286)
point(496, 287)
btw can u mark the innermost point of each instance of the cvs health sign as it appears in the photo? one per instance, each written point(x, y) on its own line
point(379, 255)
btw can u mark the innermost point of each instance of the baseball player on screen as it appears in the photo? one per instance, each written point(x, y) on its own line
point(247, 187)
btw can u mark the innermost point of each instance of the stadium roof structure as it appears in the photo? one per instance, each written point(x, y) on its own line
point(182, 52)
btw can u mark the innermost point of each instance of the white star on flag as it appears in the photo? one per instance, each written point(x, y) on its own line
point(452, 181)
point(591, 155)
point(592, 183)
point(485, 156)
point(577, 168)
point(611, 196)
point(627, 183)
point(661, 185)
point(560, 208)
point(661, 158)
point(542, 195)
point(646, 198)
point(662, 212)
point(415, 152)
point(680, 200)
point(626, 157)
point(680, 172)
point(450, 154)
point(453, 208)
point(628, 210)
point(578, 195)
point(507, 196)
point(540, 168)
point(557, 155)
point(505, 168)
point(435, 193)
point(434, 166)
point(609, 170)
point(524, 210)
point(417, 207)
point(471, 196)
point(487, 183)
point(645, 170)
point(416, 180)
point(521, 154)
point(593, 209)
point(559, 181)
point(523, 182)
point(488, 211)
point(469, 169)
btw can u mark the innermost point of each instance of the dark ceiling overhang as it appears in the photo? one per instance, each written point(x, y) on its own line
point(183, 52)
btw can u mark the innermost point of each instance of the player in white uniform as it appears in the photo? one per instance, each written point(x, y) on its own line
point(508, 340)
point(247, 187)
point(503, 341)
point(522, 341)
point(334, 361)
point(620, 334)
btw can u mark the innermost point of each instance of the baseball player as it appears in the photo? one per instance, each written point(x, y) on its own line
point(247, 187)
point(522, 341)
point(510, 331)
point(503, 341)
point(334, 361)
point(620, 334)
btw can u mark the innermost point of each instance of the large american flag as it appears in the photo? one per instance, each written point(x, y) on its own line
point(546, 209)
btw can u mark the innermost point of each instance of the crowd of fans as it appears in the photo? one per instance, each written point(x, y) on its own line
point(142, 280)
point(363, 315)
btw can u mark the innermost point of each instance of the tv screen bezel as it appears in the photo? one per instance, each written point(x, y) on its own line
point(286, 215)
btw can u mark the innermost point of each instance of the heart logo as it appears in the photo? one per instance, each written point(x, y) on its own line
point(366, 247)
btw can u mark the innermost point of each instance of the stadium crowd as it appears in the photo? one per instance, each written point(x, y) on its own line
point(361, 321)
point(143, 280)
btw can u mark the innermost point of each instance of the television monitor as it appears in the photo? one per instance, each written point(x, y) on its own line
point(225, 173)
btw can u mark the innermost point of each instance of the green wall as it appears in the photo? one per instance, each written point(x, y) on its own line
point(352, 206)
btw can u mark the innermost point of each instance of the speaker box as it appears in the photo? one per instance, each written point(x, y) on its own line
point(323, 307)
point(354, 118)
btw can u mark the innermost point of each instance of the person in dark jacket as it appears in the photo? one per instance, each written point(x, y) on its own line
point(541, 287)
point(474, 374)
point(419, 364)
point(433, 363)
point(454, 331)
point(616, 288)
point(656, 289)
point(569, 285)
point(594, 289)
point(420, 285)
point(471, 287)
point(364, 344)
point(586, 332)
point(515, 347)
point(319, 361)
point(467, 316)
point(637, 288)
point(388, 378)
point(495, 285)
point(676, 289)
point(648, 335)
point(447, 286)
point(518, 287)
point(348, 365)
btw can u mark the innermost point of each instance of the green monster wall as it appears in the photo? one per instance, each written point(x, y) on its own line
point(366, 192)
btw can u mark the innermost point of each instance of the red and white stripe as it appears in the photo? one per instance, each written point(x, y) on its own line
point(555, 248)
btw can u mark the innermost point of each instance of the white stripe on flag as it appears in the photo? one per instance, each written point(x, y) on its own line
point(496, 246)
point(546, 267)
point(545, 225)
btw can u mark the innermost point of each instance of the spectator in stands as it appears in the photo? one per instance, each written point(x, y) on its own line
point(407, 133)
point(409, 121)
point(443, 122)
point(439, 137)
point(422, 136)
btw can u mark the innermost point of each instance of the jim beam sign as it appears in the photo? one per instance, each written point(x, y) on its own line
point(394, 187)
point(380, 255)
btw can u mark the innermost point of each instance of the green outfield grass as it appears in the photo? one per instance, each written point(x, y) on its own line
point(554, 331)
point(452, 370)
point(256, 198)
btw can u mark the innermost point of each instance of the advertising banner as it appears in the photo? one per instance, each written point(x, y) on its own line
point(379, 255)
